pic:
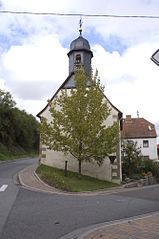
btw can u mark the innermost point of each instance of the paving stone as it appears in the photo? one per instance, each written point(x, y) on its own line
point(145, 228)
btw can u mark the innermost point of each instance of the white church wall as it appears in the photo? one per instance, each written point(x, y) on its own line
point(57, 159)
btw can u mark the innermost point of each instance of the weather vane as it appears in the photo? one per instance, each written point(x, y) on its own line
point(80, 24)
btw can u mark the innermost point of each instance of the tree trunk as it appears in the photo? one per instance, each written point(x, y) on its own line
point(80, 160)
point(79, 168)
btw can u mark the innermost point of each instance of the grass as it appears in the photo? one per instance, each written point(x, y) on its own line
point(13, 153)
point(56, 178)
point(11, 157)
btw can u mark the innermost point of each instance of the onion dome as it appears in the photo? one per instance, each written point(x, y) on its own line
point(80, 44)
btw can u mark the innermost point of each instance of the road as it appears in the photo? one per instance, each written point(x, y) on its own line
point(35, 215)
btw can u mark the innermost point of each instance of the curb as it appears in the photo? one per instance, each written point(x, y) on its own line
point(21, 181)
point(57, 191)
point(77, 193)
point(84, 193)
point(83, 232)
point(29, 187)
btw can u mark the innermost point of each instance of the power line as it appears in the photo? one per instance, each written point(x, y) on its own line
point(77, 14)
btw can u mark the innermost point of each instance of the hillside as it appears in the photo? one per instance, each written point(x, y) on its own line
point(18, 130)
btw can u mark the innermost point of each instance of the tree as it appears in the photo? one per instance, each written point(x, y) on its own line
point(131, 158)
point(78, 122)
point(6, 105)
point(16, 126)
point(6, 99)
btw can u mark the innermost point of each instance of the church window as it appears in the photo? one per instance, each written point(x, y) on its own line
point(78, 61)
point(78, 58)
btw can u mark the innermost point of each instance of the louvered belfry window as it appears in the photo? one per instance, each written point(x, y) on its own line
point(78, 61)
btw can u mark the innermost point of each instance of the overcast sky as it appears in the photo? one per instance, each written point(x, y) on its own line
point(34, 61)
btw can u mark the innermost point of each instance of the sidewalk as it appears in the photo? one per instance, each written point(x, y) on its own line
point(29, 179)
point(142, 227)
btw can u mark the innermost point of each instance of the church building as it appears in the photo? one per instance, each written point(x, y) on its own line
point(110, 170)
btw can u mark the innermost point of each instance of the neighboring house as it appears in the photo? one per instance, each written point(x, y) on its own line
point(80, 53)
point(143, 132)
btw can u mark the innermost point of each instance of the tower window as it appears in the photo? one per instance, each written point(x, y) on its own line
point(78, 61)
point(78, 57)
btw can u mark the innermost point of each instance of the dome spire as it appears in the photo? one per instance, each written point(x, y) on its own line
point(80, 24)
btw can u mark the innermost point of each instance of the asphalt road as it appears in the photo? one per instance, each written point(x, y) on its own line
point(8, 171)
point(35, 215)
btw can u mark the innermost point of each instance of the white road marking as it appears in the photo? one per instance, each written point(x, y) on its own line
point(3, 188)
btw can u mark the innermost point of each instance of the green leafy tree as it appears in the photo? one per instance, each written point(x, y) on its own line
point(78, 122)
point(6, 99)
point(17, 128)
point(6, 105)
point(131, 158)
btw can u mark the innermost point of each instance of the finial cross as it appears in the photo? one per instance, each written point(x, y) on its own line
point(80, 24)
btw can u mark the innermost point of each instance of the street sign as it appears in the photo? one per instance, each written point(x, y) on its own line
point(155, 57)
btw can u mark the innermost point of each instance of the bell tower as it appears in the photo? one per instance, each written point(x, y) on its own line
point(80, 53)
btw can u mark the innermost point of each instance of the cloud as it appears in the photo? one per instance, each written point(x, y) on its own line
point(2, 84)
point(33, 51)
point(31, 106)
point(131, 79)
point(106, 27)
point(35, 67)
point(36, 5)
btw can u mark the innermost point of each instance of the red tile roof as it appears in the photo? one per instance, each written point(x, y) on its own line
point(137, 128)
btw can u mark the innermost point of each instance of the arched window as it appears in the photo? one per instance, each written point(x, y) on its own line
point(78, 58)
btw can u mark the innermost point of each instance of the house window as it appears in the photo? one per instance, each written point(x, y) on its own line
point(130, 141)
point(145, 143)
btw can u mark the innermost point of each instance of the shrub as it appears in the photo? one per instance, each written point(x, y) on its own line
point(150, 166)
point(136, 176)
point(131, 158)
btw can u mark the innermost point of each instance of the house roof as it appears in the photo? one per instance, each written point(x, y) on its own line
point(137, 128)
point(63, 86)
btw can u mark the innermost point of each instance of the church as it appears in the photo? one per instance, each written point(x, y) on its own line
point(110, 170)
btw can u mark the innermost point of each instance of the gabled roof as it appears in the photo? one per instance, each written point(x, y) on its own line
point(137, 128)
point(65, 86)
point(61, 87)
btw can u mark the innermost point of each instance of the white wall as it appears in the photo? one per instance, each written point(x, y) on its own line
point(57, 159)
point(151, 151)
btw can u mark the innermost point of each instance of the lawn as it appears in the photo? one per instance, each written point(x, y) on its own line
point(56, 178)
